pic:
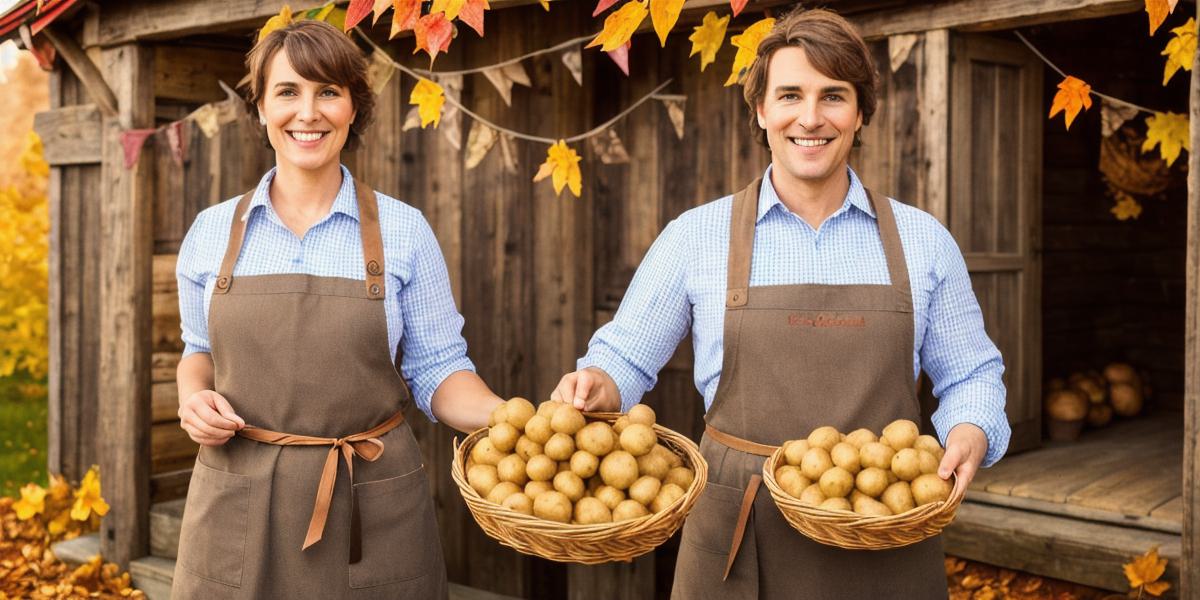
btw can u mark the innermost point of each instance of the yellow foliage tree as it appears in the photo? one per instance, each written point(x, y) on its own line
point(24, 264)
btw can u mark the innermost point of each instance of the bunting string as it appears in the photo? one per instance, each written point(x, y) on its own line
point(1063, 74)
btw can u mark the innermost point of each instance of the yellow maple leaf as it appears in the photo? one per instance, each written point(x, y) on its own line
point(620, 26)
point(429, 98)
point(59, 523)
point(1126, 208)
point(747, 48)
point(1157, 11)
point(545, 4)
point(1073, 95)
point(450, 7)
point(32, 501)
point(664, 14)
point(87, 497)
point(563, 163)
point(707, 37)
point(1180, 50)
point(1145, 569)
point(279, 21)
point(1169, 131)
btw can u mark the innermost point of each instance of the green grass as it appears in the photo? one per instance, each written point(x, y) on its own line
point(22, 433)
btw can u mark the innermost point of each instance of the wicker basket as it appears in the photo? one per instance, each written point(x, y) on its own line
point(856, 532)
point(584, 544)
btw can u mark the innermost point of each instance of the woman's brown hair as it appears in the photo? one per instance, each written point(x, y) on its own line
point(832, 46)
point(318, 52)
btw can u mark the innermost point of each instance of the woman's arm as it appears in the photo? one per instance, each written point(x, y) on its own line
point(464, 401)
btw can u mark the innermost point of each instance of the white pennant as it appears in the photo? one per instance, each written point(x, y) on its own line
point(504, 77)
point(451, 123)
point(674, 105)
point(609, 148)
point(380, 70)
point(509, 153)
point(479, 142)
point(899, 47)
point(573, 59)
point(412, 120)
point(1113, 115)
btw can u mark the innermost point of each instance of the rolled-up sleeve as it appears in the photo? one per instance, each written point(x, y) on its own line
point(964, 365)
point(191, 275)
point(654, 316)
point(431, 343)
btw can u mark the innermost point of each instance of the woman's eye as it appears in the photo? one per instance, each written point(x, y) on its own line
point(330, 92)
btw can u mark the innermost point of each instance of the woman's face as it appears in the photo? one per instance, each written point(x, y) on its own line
point(307, 121)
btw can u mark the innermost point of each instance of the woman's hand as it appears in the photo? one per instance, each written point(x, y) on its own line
point(589, 389)
point(208, 418)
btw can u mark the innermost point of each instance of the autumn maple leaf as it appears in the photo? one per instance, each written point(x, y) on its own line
point(619, 26)
point(563, 164)
point(87, 497)
point(602, 6)
point(1157, 11)
point(1126, 208)
point(32, 501)
point(1180, 50)
point(433, 33)
point(472, 14)
point(1169, 131)
point(1145, 570)
point(283, 19)
point(407, 12)
point(449, 7)
point(1073, 95)
point(429, 98)
point(707, 37)
point(357, 11)
point(747, 45)
point(737, 6)
point(664, 14)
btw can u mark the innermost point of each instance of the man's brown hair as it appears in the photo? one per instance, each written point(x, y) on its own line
point(318, 52)
point(833, 47)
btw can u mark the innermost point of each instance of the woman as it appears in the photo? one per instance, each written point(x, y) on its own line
point(295, 300)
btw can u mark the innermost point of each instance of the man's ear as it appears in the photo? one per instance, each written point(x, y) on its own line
point(762, 120)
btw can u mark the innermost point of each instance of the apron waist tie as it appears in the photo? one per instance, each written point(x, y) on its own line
point(365, 445)
point(749, 447)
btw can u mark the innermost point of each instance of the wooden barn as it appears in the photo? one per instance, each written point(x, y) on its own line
point(961, 132)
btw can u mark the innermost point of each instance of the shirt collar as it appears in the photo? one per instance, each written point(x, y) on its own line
point(346, 202)
point(856, 196)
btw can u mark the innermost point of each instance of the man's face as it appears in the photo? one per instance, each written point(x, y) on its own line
point(810, 119)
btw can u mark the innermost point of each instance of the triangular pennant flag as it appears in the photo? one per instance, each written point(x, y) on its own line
point(1113, 115)
point(503, 78)
point(380, 70)
point(509, 153)
point(621, 57)
point(609, 148)
point(451, 123)
point(206, 119)
point(131, 142)
point(674, 106)
point(573, 59)
point(479, 142)
point(177, 141)
point(412, 120)
point(899, 47)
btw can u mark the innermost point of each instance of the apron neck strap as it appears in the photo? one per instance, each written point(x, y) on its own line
point(893, 250)
point(368, 224)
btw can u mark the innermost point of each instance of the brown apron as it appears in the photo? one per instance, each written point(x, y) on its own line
point(797, 357)
point(273, 515)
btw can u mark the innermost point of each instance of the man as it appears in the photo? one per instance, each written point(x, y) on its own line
point(811, 302)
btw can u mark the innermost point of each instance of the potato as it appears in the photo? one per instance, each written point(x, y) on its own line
point(503, 490)
point(870, 507)
point(1126, 399)
point(552, 506)
point(519, 503)
point(629, 509)
point(486, 453)
point(906, 464)
point(930, 488)
point(512, 469)
point(527, 448)
point(567, 419)
point(547, 409)
point(609, 495)
point(645, 489)
point(584, 464)
point(877, 455)
point(541, 468)
point(589, 511)
point(929, 444)
point(638, 439)
point(596, 438)
point(898, 497)
point(619, 469)
point(519, 411)
point(482, 478)
point(504, 436)
point(891, 477)
point(560, 446)
point(569, 484)
point(1067, 405)
point(815, 462)
point(901, 434)
point(672, 459)
point(533, 488)
point(793, 451)
point(680, 476)
point(812, 495)
point(640, 413)
point(1120, 373)
point(1095, 392)
point(855, 495)
point(788, 474)
point(499, 415)
point(824, 437)
point(667, 494)
point(620, 424)
point(653, 464)
point(1099, 415)
point(860, 436)
point(538, 429)
point(836, 483)
point(836, 504)
point(928, 462)
point(845, 455)
point(564, 465)
point(871, 481)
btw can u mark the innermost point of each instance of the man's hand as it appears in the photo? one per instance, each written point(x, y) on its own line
point(965, 448)
point(589, 389)
point(208, 418)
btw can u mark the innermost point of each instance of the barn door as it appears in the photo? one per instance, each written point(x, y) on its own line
point(994, 206)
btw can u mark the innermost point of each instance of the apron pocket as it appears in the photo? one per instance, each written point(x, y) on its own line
point(400, 535)
point(213, 533)
point(710, 524)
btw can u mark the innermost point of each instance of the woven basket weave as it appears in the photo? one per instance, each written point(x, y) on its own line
point(857, 532)
point(584, 544)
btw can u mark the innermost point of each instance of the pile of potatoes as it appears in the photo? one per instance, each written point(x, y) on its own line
point(1097, 396)
point(555, 465)
point(864, 473)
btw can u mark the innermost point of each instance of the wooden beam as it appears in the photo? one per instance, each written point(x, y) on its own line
point(984, 15)
point(191, 74)
point(70, 135)
point(126, 248)
point(933, 103)
point(84, 69)
point(1190, 569)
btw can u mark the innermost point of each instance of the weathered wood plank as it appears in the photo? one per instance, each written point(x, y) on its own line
point(933, 102)
point(169, 485)
point(164, 402)
point(982, 15)
point(83, 67)
point(1191, 427)
point(191, 74)
point(70, 135)
point(1164, 521)
point(171, 448)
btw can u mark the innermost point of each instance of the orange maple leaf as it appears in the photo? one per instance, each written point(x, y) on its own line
point(737, 6)
point(405, 17)
point(472, 14)
point(1144, 571)
point(433, 34)
point(1157, 10)
point(1073, 95)
point(620, 26)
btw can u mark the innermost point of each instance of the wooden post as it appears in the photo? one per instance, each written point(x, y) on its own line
point(126, 251)
point(1189, 571)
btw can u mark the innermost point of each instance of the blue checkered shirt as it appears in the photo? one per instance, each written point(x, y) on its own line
point(680, 288)
point(421, 316)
